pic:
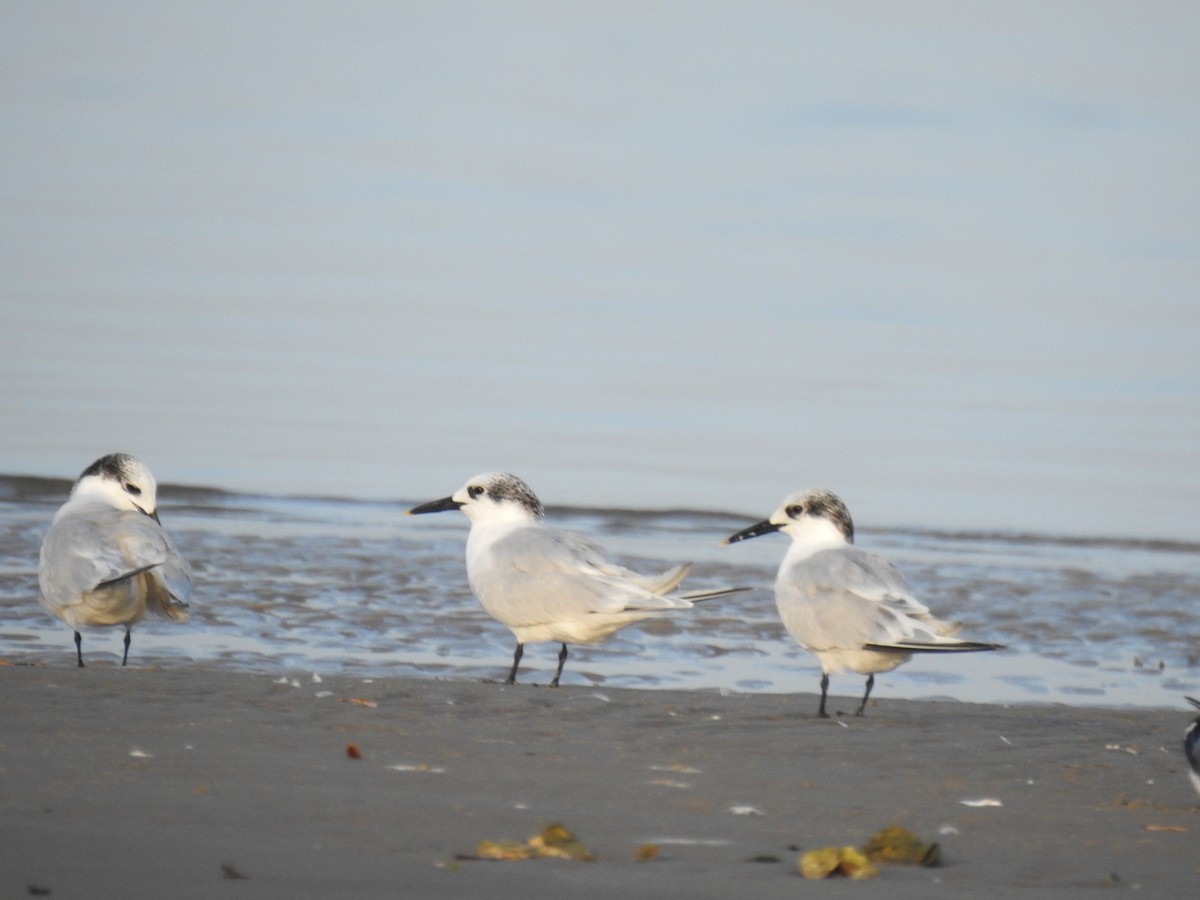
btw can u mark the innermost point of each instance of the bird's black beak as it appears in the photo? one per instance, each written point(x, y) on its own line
point(153, 515)
point(766, 526)
point(435, 506)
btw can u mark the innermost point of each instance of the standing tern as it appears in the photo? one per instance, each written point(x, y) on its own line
point(547, 585)
point(849, 608)
point(106, 559)
point(1191, 746)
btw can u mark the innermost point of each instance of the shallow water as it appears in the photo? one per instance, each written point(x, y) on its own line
point(304, 586)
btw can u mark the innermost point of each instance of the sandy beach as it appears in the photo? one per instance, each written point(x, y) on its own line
point(188, 782)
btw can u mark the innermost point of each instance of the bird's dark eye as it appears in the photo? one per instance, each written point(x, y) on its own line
point(794, 511)
point(475, 490)
point(134, 489)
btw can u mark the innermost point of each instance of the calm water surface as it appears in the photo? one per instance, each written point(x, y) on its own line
point(301, 586)
point(941, 257)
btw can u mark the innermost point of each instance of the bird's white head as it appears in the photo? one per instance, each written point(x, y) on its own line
point(814, 516)
point(490, 498)
point(123, 481)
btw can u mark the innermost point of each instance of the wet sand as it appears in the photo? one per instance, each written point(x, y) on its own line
point(191, 782)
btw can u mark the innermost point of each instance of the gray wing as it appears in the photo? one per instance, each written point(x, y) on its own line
point(175, 573)
point(534, 576)
point(592, 554)
point(845, 598)
point(93, 545)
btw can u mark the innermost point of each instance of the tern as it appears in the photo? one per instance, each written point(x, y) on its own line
point(851, 609)
point(1191, 746)
point(549, 585)
point(106, 559)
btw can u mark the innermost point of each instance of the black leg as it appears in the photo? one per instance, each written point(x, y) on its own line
point(79, 648)
point(125, 658)
point(870, 684)
point(562, 658)
point(824, 691)
point(517, 654)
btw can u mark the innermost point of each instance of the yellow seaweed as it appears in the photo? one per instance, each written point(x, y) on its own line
point(898, 845)
point(556, 841)
point(553, 842)
point(503, 850)
point(830, 862)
